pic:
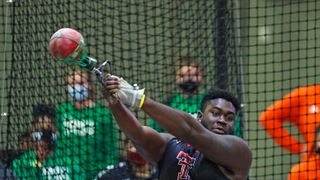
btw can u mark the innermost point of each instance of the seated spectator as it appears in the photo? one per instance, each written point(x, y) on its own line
point(43, 160)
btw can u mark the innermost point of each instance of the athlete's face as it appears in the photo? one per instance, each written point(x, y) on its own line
point(218, 116)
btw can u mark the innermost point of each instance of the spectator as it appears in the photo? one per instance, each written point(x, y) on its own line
point(87, 131)
point(299, 108)
point(43, 160)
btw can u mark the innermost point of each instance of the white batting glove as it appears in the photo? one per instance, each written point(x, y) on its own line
point(130, 95)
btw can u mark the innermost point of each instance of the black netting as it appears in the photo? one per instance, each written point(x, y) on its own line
point(259, 50)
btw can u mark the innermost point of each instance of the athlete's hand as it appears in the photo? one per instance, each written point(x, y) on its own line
point(111, 88)
point(130, 95)
point(120, 89)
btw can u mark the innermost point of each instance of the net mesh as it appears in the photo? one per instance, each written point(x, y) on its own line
point(259, 50)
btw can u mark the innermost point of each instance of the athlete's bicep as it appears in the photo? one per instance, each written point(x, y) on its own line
point(227, 151)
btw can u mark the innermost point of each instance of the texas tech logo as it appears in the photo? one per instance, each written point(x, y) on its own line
point(186, 162)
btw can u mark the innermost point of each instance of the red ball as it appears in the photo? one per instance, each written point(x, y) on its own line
point(65, 42)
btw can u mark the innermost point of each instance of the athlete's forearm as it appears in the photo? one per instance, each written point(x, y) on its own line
point(127, 121)
point(149, 142)
point(177, 122)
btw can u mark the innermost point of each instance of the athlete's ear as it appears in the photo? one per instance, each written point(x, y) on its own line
point(200, 116)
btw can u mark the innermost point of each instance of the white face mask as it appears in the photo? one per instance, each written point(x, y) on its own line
point(78, 92)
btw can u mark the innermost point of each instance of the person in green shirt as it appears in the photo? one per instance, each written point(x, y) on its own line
point(189, 77)
point(43, 160)
point(87, 131)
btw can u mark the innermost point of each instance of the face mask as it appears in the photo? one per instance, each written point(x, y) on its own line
point(189, 86)
point(46, 135)
point(78, 92)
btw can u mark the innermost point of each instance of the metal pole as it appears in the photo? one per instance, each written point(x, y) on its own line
point(221, 64)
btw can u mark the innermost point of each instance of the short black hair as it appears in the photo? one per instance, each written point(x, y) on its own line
point(216, 93)
point(41, 110)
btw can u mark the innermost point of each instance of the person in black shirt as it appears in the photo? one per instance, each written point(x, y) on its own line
point(198, 150)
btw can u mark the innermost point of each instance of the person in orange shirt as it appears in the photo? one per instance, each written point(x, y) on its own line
point(309, 168)
point(301, 107)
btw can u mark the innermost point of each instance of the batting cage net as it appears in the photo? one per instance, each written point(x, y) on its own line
point(55, 123)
